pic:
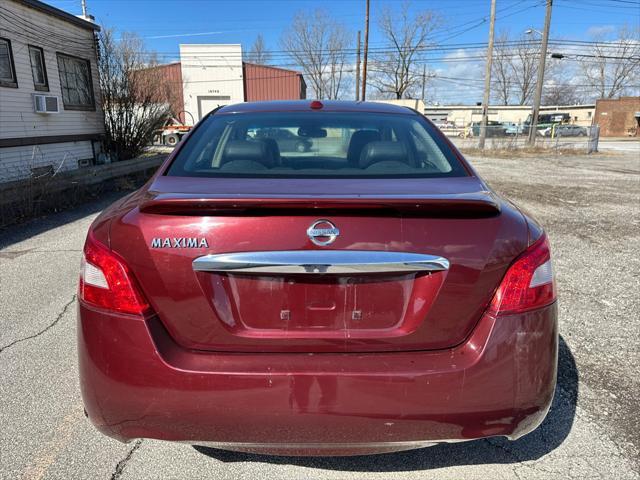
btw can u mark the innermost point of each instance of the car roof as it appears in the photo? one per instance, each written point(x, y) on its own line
point(305, 106)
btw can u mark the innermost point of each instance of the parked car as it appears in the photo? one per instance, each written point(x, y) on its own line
point(567, 130)
point(511, 128)
point(546, 121)
point(376, 299)
point(494, 129)
point(287, 141)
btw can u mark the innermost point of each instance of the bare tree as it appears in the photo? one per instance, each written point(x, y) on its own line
point(614, 66)
point(258, 52)
point(515, 69)
point(560, 84)
point(337, 58)
point(134, 96)
point(560, 93)
point(394, 70)
point(318, 44)
point(501, 69)
point(524, 60)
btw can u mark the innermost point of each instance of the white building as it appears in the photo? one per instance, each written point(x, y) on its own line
point(405, 102)
point(50, 117)
point(211, 77)
point(464, 115)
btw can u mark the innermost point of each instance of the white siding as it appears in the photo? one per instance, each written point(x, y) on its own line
point(210, 71)
point(16, 162)
point(25, 26)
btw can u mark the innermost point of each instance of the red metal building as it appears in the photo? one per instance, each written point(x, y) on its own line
point(171, 91)
point(261, 82)
point(264, 82)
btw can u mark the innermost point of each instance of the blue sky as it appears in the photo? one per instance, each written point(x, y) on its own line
point(164, 24)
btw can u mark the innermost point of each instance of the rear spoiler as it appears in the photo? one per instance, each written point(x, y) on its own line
point(479, 204)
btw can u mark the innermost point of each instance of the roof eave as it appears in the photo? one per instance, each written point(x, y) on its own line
point(56, 12)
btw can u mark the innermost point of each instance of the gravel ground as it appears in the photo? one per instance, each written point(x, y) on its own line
point(590, 206)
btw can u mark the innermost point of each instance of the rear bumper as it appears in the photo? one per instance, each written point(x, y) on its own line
point(136, 382)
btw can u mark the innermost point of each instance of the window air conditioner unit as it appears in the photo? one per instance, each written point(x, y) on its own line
point(46, 104)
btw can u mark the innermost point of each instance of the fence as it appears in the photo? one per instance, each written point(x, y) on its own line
point(511, 137)
point(43, 193)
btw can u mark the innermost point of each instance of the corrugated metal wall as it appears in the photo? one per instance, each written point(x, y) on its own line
point(173, 74)
point(262, 82)
point(172, 90)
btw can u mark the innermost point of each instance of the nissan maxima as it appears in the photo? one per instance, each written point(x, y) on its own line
point(371, 295)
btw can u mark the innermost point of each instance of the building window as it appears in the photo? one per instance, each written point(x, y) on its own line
point(75, 82)
point(38, 69)
point(7, 68)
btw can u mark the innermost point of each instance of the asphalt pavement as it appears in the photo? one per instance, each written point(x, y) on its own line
point(626, 145)
point(590, 206)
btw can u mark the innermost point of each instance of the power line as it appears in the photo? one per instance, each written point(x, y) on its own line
point(80, 41)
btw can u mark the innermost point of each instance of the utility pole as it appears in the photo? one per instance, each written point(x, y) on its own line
point(84, 8)
point(533, 125)
point(424, 81)
point(487, 79)
point(358, 69)
point(366, 54)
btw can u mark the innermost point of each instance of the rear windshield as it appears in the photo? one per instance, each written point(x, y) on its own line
point(316, 145)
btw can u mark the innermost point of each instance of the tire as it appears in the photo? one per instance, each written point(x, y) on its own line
point(301, 147)
point(171, 140)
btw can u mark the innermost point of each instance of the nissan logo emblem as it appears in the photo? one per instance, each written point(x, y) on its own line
point(322, 232)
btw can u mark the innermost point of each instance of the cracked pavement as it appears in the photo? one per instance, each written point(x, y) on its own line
point(590, 207)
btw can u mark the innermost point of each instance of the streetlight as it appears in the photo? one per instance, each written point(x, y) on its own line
point(529, 31)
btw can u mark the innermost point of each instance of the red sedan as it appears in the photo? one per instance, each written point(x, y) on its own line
point(369, 294)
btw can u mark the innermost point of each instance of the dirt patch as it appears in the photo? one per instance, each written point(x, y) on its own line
point(518, 152)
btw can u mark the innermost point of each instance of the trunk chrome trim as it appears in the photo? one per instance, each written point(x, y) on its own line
point(319, 262)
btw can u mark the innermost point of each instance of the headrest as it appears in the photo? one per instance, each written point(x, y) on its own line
point(248, 150)
point(273, 148)
point(383, 151)
point(358, 140)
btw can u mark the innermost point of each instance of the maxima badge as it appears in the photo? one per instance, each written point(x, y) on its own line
point(179, 242)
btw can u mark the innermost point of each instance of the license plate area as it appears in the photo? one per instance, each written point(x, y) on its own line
point(322, 306)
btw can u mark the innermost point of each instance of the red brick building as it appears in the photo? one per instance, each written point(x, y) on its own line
point(618, 117)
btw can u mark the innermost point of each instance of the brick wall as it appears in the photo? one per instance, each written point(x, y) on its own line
point(617, 116)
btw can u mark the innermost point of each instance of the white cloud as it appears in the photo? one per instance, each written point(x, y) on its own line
point(600, 30)
point(459, 78)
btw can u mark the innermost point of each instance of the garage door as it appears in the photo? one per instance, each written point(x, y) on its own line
point(211, 102)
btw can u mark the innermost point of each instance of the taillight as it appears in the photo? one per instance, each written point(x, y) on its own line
point(107, 282)
point(528, 284)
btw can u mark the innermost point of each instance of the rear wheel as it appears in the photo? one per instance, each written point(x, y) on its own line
point(172, 139)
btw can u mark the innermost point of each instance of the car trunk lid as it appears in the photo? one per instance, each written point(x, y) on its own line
point(406, 269)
